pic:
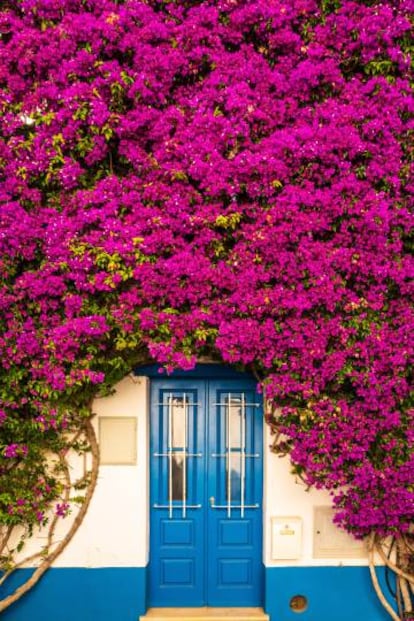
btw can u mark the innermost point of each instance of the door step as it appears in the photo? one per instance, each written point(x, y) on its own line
point(198, 614)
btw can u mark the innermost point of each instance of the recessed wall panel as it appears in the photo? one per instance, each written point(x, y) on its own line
point(118, 440)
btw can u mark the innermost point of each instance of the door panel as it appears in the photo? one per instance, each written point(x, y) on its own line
point(206, 493)
point(177, 493)
point(235, 494)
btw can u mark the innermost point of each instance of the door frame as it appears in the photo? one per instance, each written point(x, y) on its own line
point(206, 372)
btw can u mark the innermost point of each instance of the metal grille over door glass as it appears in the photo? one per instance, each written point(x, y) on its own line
point(177, 450)
point(177, 408)
point(234, 407)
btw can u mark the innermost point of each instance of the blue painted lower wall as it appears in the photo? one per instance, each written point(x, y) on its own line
point(78, 594)
point(333, 594)
point(119, 594)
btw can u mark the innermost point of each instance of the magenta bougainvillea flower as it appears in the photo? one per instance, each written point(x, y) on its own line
point(231, 177)
point(15, 450)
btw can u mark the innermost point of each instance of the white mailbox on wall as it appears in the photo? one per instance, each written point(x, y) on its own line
point(286, 538)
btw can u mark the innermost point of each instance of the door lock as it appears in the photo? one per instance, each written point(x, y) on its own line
point(212, 500)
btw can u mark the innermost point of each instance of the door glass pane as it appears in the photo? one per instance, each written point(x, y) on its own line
point(235, 478)
point(178, 420)
point(234, 411)
point(177, 464)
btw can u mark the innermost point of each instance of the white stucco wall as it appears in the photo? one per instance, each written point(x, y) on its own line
point(115, 531)
point(285, 495)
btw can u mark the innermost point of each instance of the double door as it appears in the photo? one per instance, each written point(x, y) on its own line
point(206, 493)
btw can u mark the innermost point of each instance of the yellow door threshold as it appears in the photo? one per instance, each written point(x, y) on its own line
point(198, 614)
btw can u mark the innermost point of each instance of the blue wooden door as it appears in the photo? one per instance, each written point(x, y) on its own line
point(206, 493)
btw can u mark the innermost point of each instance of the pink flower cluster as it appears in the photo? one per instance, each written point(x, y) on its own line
point(12, 451)
point(226, 177)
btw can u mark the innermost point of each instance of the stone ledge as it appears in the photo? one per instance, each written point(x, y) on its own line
point(198, 614)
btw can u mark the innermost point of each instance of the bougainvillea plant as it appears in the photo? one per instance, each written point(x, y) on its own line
point(221, 177)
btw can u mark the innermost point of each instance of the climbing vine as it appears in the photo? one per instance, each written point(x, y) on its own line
point(230, 178)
